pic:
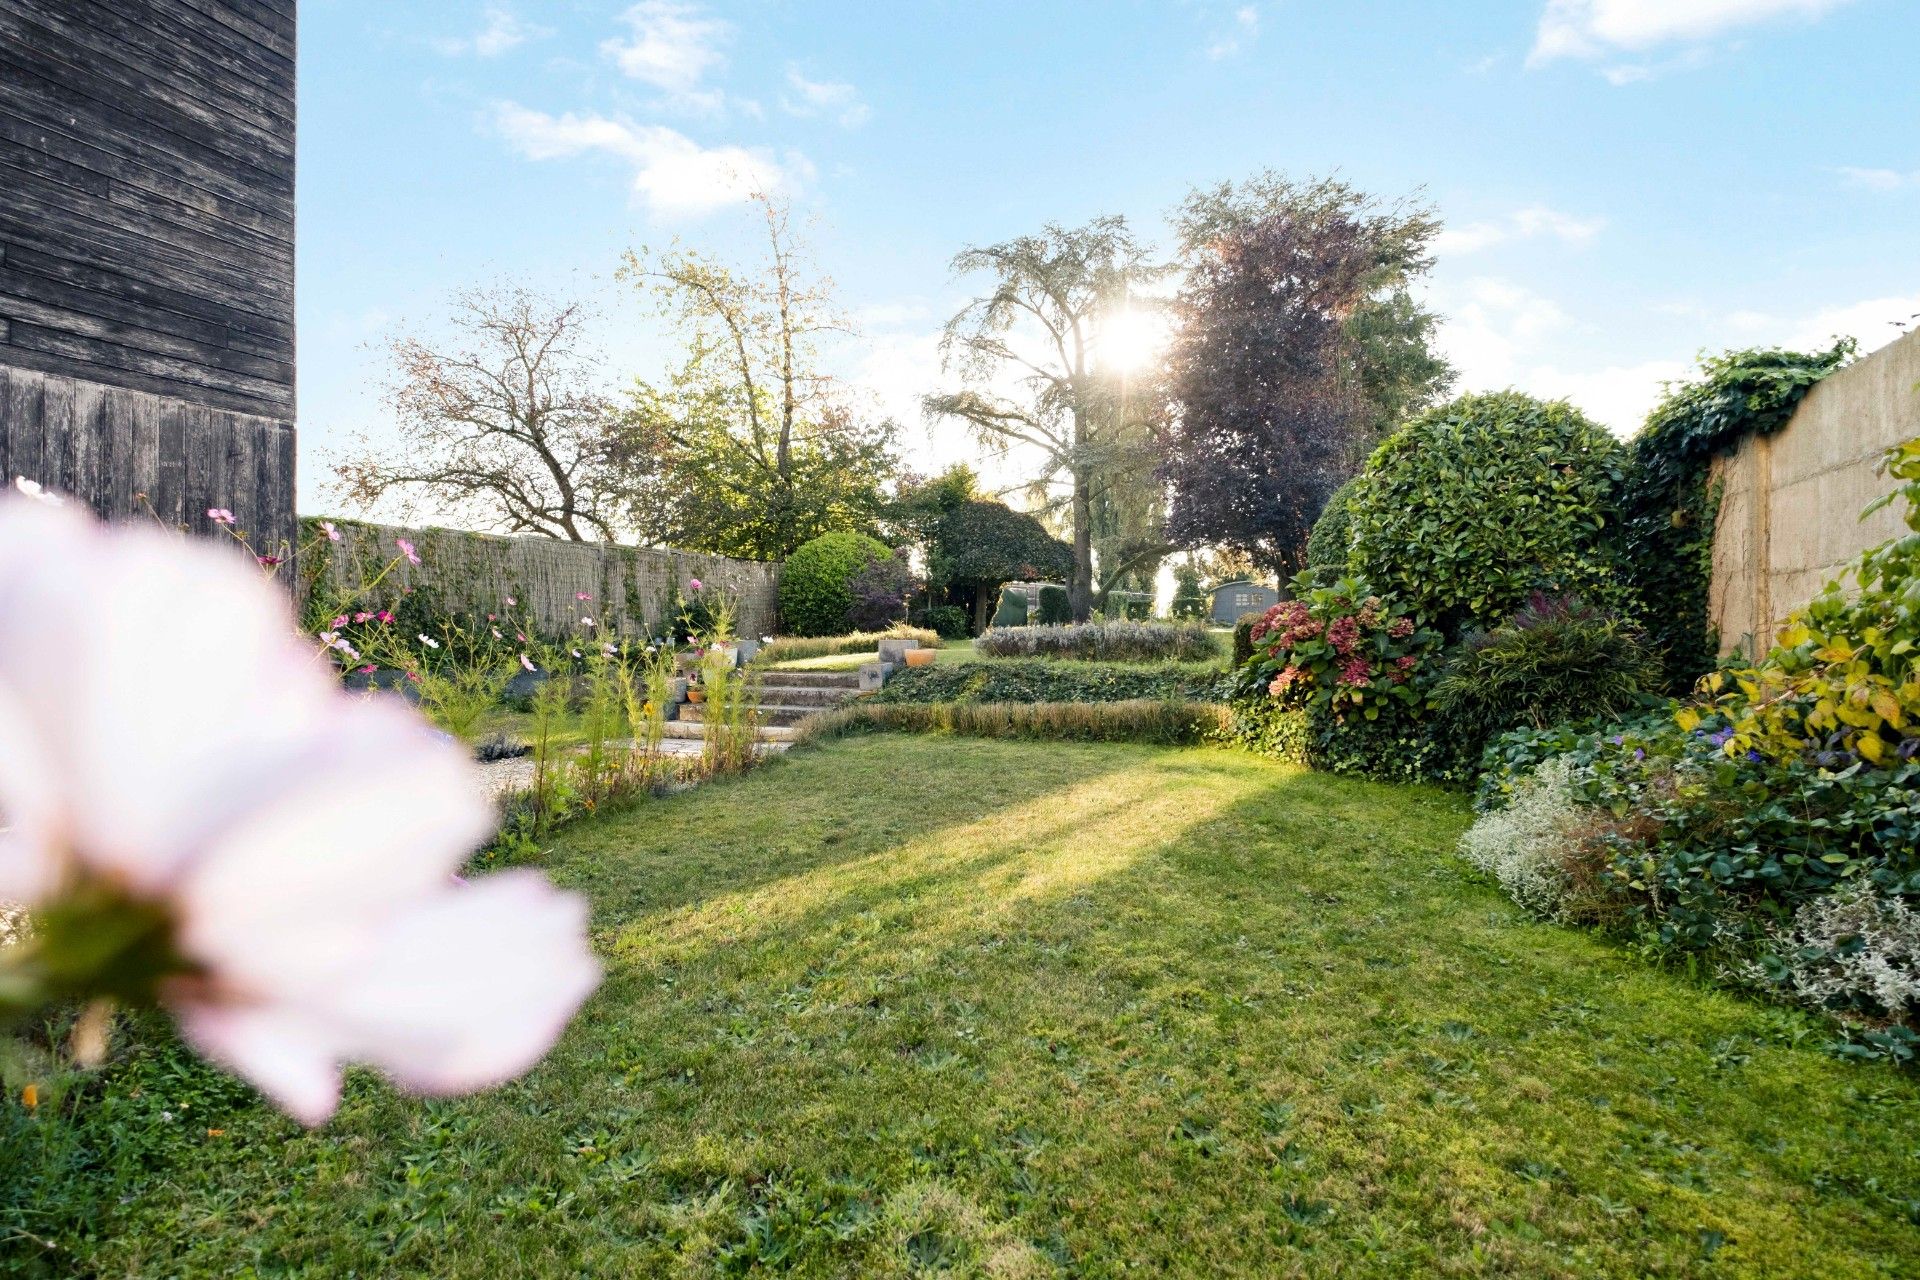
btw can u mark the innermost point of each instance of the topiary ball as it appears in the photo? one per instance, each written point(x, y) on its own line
point(1474, 505)
point(815, 591)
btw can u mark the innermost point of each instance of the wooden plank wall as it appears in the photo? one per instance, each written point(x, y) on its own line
point(133, 455)
point(147, 253)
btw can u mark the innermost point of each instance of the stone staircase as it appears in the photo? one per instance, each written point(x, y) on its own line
point(783, 699)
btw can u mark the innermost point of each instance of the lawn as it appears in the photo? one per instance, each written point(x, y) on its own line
point(909, 1005)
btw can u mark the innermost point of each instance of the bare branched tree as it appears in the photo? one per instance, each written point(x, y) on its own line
point(504, 425)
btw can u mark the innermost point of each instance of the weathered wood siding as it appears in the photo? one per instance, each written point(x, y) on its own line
point(146, 253)
point(132, 454)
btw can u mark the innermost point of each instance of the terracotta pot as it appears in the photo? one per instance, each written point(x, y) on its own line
point(921, 657)
point(696, 695)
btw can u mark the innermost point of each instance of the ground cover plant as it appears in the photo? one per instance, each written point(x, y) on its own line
point(1167, 721)
point(1032, 680)
point(1117, 641)
point(1033, 1009)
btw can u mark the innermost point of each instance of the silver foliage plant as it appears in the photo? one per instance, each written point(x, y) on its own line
point(1525, 845)
point(1855, 948)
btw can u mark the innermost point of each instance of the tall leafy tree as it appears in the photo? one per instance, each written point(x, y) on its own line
point(1298, 344)
point(761, 450)
point(1035, 357)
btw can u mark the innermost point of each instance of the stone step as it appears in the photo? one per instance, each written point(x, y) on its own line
point(802, 695)
point(693, 731)
point(812, 679)
point(695, 712)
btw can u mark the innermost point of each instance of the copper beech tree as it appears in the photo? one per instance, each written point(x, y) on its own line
point(503, 425)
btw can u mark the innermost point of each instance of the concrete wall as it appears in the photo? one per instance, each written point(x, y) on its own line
point(1790, 505)
point(473, 573)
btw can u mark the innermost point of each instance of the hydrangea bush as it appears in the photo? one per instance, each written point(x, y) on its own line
point(1344, 650)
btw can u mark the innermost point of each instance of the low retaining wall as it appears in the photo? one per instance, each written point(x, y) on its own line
point(1790, 504)
point(632, 587)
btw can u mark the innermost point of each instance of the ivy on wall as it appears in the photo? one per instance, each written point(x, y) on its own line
point(1668, 506)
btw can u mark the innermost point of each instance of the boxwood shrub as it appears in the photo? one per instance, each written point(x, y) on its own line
point(815, 590)
point(1474, 505)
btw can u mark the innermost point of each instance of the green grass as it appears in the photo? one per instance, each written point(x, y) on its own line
point(956, 652)
point(906, 1005)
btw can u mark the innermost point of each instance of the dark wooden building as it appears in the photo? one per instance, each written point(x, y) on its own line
point(146, 256)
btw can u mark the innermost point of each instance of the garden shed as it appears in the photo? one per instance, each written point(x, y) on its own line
point(1241, 596)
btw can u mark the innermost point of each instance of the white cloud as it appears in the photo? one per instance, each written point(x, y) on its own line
point(1244, 31)
point(822, 97)
point(1528, 223)
point(672, 46)
point(500, 31)
point(1598, 28)
point(1879, 179)
point(672, 174)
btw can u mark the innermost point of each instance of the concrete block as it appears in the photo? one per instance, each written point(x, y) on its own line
point(895, 650)
point(874, 674)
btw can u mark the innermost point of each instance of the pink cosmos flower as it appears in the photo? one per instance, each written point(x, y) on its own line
point(527, 663)
point(290, 951)
point(694, 583)
point(267, 562)
point(339, 622)
point(583, 595)
point(511, 602)
point(368, 670)
point(586, 622)
point(219, 515)
point(327, 527)
point(383, 616)
point(407, 550)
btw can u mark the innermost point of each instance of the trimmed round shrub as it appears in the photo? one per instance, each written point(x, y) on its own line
point(1053, 606)
point(1329, 543)
point(1011, 610)
point(1474, 505)
point(815, 590)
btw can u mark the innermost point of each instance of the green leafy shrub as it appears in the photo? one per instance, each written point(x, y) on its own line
point(1054, 610)
point(1189, 598)
point(1558, 659)
point(1103, 642)
point(1265, 727)
point(1041, 681)
point(949, 621)
point(1243, 638)
point(815, 591)
point(1331, 541)
point(1476, 504)
point(1667, 505)
point(1012, 608)
point(1169, 722)
point(1843, 685)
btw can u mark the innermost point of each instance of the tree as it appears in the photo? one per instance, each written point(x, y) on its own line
point(1055, 297)
point(1296, 343)
point(503, 426)
point(762, 453)
point(1387, 349)
point(1189, 597)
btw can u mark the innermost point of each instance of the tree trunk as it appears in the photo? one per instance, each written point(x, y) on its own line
point(1080, 589)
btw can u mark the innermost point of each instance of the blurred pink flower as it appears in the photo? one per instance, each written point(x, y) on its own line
point(384, 616)
point(583, 595)
point(341, 621)
point(327, 527)
point(527, 663)
point(407, 550)
point(218, 801)
point(511, 602)
point(219, 515)
point(694, 583)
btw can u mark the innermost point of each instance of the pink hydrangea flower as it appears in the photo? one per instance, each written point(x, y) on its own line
point(1354, 673)
point(407, 550)
point(217, 800)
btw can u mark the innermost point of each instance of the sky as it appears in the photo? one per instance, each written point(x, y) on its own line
point(1624, 183)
